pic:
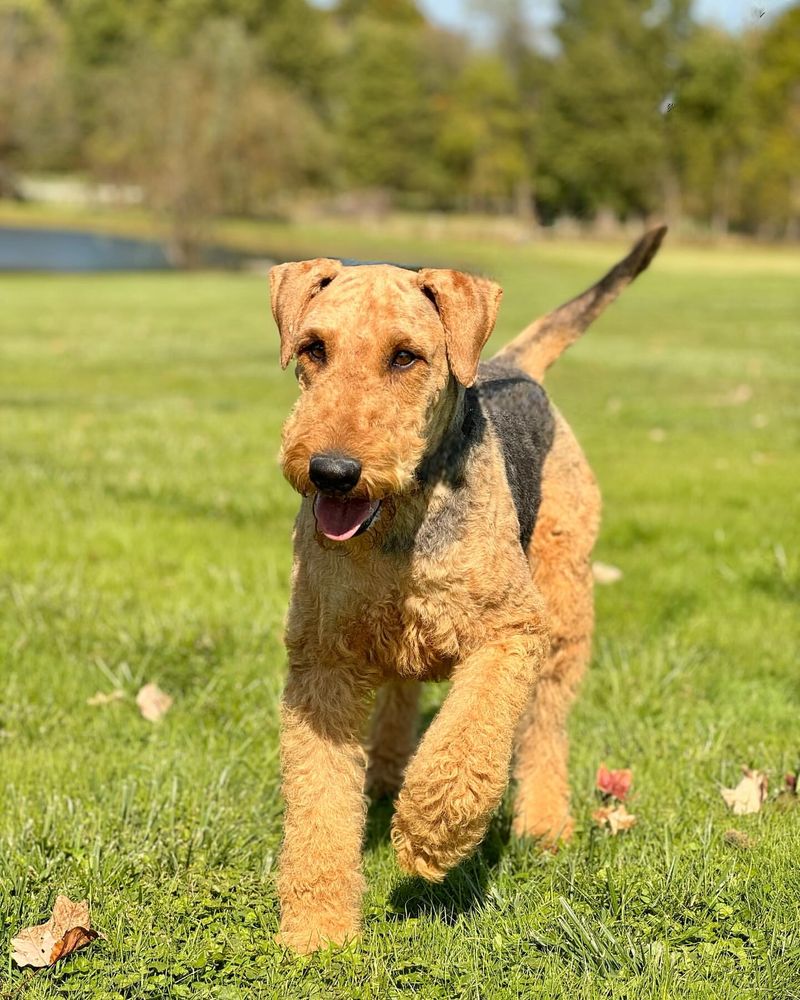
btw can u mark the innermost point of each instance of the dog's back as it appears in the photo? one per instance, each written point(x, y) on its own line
point(519, 412)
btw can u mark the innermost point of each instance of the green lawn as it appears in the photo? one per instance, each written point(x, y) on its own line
point(145, 535)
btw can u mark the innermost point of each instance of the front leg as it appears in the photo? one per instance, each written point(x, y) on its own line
point(323, 763)
point(457, 777)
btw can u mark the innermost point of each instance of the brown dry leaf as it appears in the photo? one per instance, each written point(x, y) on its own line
point(749, 795)
point(737, 396)
point(737, 838)
point(740, 395)
point(103, 698)
point(605, 573)
point(77, 937)
point(615, 817)
point(153, 702)
point(788, 797)
point(67, 930)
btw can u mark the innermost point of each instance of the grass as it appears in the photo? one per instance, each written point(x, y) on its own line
point(145, 535)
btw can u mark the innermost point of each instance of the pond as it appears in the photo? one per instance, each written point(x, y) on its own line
point(37, 249)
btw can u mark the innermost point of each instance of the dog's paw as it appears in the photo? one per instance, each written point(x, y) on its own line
point(415, 857)
point(430, 842)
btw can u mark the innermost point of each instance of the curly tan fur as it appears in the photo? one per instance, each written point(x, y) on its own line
point(437, 585)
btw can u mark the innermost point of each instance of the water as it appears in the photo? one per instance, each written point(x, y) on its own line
point(24, 249)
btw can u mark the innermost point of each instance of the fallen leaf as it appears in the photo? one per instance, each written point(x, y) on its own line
point(67, 930)
point(617, 784)
point(740, 395)
point(737, 838)
point(103, 698)
point(788, 797)
point(737, 396)
point(749, 795)
point(153, 702)
point(605, 573)
point(75, 938)
point(615, 817)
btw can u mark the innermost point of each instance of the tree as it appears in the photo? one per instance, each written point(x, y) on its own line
point(513, 40)
point(387, 120)
point(712, 121)
point(403, 13)
point(772, 174)
point(602, 142)
point(481, 138)
point(37, 120)
point(223, 139)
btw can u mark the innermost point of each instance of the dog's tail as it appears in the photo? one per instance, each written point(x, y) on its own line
point(546, 339)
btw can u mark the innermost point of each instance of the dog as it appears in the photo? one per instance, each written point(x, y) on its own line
point(445, 531)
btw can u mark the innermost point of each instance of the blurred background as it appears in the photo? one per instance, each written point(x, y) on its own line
point(493, 117)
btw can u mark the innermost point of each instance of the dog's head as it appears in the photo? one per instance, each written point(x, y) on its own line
point(380, 353)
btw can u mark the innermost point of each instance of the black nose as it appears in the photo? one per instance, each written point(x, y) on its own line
point(334, 472)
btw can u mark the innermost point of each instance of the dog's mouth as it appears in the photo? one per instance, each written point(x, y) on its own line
point(340, 519)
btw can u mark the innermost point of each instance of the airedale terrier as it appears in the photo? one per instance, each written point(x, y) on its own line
point(446, 527)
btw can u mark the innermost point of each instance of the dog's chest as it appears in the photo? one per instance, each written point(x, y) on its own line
point(405, 630)
point(421, 625)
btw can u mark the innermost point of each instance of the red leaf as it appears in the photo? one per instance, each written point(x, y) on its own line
point(617, 784)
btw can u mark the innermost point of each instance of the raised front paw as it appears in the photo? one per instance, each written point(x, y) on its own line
point(438, 824)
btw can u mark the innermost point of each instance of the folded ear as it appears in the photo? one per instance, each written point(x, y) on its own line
point(292, 287)
point(468, 308)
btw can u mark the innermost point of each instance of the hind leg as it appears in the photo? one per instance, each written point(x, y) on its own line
point(541, 808)
point(393, 736)
point(560, 562)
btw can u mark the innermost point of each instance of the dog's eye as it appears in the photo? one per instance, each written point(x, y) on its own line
point(403, 359)
point(315, 350)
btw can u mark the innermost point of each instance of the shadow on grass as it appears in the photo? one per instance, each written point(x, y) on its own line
point(463, 889)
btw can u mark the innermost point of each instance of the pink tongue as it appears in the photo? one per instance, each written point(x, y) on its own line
point(341, 519)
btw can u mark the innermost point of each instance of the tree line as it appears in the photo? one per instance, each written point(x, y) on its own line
point(241, 106)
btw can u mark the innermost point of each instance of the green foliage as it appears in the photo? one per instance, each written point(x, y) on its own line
point(713, 124)
point(773, 176)
point(146, 535)
point(387, 123)
point(397, 12)
point(481, 137)
point(37, 111)
point(602, 142)
point(222, 140)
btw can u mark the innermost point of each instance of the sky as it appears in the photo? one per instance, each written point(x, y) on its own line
point(732, 14)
